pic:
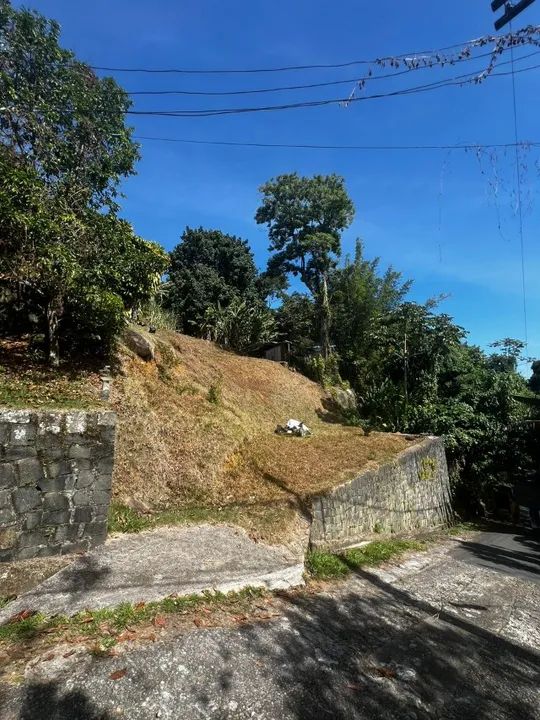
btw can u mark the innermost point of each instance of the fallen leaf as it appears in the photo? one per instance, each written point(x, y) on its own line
point(159, 621)
point(23, 615)
point(50, 656)
point(385, 672)
point(117, 674)
point(124, 636)
point(69, 654)
point(198, 622)
point(140, 605)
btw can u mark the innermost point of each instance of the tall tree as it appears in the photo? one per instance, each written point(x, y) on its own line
point(64, 147)
point(362, 297)
point(305, 218)
point(209, 269)
point(57, 116)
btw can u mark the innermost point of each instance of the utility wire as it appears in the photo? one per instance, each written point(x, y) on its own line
point(519, 198)
point(478, 42)
point(307, 146)
point(458, 80)
point(282, 88)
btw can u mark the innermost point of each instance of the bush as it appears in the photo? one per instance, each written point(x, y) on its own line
point(93, 321)
point(241, 326)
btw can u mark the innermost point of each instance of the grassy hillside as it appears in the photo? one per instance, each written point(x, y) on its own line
point(196, 432)
point(197, 428)
point(183, 416)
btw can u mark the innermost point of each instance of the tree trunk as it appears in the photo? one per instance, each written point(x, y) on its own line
point(53, 313)
point(324, 317)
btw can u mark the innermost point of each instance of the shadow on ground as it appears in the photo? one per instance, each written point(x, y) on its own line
point(389, 655)
point(371, 651)
point(510, 550)
point(45, 702)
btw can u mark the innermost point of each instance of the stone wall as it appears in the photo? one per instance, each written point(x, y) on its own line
point(407, 494)
point(55, 481)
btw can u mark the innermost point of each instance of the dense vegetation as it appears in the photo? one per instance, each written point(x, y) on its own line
point(71, 270)
point(69, 266)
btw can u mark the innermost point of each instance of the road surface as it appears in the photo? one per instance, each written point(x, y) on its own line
point(452, 634)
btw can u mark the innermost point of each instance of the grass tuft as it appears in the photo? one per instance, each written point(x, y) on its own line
point(103, 626)
point(326, 566)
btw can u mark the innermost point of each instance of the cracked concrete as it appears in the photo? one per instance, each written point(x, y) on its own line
point(436, 637)
point(152, 565)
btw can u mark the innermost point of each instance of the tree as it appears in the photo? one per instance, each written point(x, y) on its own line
point(57, 116)
point(362, 299)
point(64, 147)
point(510, 353)
point(209, 268)
point(534, 381)
point(305, 219)
point(296, 322)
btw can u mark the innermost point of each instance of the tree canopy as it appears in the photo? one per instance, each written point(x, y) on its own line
point(209, 268)
point(305, 218)
point(64, 148)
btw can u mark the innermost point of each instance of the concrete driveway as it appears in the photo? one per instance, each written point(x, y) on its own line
point(442, 636)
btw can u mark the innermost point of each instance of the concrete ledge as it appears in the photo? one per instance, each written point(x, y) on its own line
point(155, 564)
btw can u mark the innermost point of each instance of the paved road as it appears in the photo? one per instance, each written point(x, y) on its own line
point(440, 637)
point(513, 552)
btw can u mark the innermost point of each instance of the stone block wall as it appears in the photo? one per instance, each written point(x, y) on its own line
point(409, 493)
point(55, 481)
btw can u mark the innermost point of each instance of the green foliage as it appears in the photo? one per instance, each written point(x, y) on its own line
point(305, 219)
point(362, 300)
point(215, 392)
point(296, 322)
point(241, 326)
point(58, 116)
point(154, 314)
point(94, 318)
point(125, 520)
point(64, 147)
point(208, 268)
point(534, 382)
point(327, 566)
point(103, 625)
point(325, 371)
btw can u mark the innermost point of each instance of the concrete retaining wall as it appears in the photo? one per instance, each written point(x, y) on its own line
point(55, 481)
point(407, 494)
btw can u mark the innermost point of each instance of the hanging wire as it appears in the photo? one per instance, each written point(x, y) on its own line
point(519, 198)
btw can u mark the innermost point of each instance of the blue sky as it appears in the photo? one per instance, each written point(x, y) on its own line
point(446, 219)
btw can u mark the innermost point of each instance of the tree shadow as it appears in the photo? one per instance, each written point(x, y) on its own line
point(382, 654)
point(524, 559)
point(43, 701)
point(296, 499)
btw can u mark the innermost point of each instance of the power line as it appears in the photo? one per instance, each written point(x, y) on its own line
point(308, 146)
point(348, 81)
point(477, 42)
point(458, 80)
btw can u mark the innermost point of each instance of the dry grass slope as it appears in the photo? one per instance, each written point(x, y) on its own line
point(183, 416)
point(196, 435)
point(197, 428)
